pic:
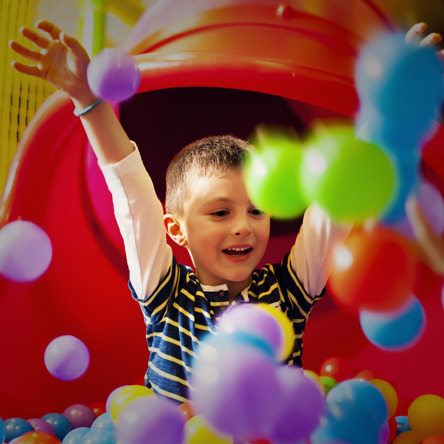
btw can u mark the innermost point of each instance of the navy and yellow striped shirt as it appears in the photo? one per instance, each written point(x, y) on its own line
point(179, 313)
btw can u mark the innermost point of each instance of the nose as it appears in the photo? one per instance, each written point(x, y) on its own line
point(242, 226)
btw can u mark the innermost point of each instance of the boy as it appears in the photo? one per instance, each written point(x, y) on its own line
point(208, 212)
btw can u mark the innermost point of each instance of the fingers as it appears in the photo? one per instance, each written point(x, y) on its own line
point(25, 52)
point(35, 37)
point(27, 69)
point(431, 39)
point(413, 35)
point(49, 27)
point(73, 45)
point(431, 246)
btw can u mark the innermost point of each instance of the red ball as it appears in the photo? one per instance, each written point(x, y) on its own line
point(336, 367)
point(372, 270)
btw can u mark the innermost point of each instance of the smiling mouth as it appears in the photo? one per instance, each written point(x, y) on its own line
point(237, 252)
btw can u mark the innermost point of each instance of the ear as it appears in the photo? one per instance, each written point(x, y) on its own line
point(174, 230)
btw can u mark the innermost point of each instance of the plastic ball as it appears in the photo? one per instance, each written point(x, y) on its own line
point(25, 251)
point(390, 76)
point(409, 437)
point(295, 420)
point(344, 424)
point(264, 321)
point(75, 436)
point(104, 421)
point(397, 330)
point(99, 436)
point(150, 419)
point(60, 424)
point(389, 393)
point(125, 396)
point(80, 415)
point(199, 431)
point(402, 423)
point(15, 427)
point(338, 173)
point(98, 407)
point(360, 394)
point(37, 438)
point(426, 415)
point(337, 367)
point(434, 439)
point(271, 175)
point(2, 430)
point(372, 270)
point(40, 425)
point(328, 383)
point(229, 389)
point(187, 409)
point(113, 74)
point(67, 358)
point(111, 397)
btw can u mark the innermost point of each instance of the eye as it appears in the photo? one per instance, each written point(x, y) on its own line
point(256, 212)
point(220, 213)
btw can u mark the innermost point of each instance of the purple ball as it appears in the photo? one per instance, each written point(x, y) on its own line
point(40, 425)
point(113, 74)
point(25, 251)
point(302, 405)
point(80, 415)
point(236, 389)
point(150, 419)
point(67, 358)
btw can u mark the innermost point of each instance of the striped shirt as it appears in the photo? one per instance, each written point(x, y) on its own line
point(178, 310)
point(180, 313)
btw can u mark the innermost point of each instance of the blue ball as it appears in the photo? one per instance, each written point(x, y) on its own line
point(397, 330)
point(99, 436)
point(403, 425)
point(61, 424)
point(104, 421)
point(76, 435)
point(402, 81)
point(16, 427)
point(2, 430)
point(360, 394)
point(345, 424)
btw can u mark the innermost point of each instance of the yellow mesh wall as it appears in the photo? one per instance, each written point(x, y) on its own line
point(20, 95)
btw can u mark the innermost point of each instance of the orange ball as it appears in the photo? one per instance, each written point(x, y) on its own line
point(409, 437)
point(37, 438)
point(434, 439)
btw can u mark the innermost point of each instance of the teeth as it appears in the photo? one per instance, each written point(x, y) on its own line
point(237, 249)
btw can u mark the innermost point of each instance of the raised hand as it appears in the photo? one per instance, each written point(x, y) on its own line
point(430, 246)
point(59, 59)
point(416, 35)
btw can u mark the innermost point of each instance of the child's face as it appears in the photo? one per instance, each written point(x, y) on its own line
point(225, 234)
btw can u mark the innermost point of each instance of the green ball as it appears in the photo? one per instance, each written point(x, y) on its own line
point(271, 175)
point(328, 382)
point(350, 179)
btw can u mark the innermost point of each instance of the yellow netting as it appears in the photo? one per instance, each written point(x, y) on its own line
point(20, 95)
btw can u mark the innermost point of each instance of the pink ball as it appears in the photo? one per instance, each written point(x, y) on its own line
point(80, 415)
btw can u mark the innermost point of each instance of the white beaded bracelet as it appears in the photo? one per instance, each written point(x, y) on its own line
point(88, 109)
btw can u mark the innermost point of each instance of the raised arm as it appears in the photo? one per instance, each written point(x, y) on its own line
point(62, 61)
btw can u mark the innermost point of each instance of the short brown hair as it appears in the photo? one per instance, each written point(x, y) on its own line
point(204, 157)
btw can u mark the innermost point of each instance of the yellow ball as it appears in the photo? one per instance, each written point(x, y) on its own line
point(287, 330)
point(199, 431)
point(316, 378)
point(125, 396)
point(426, 415)
point(389, 393)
